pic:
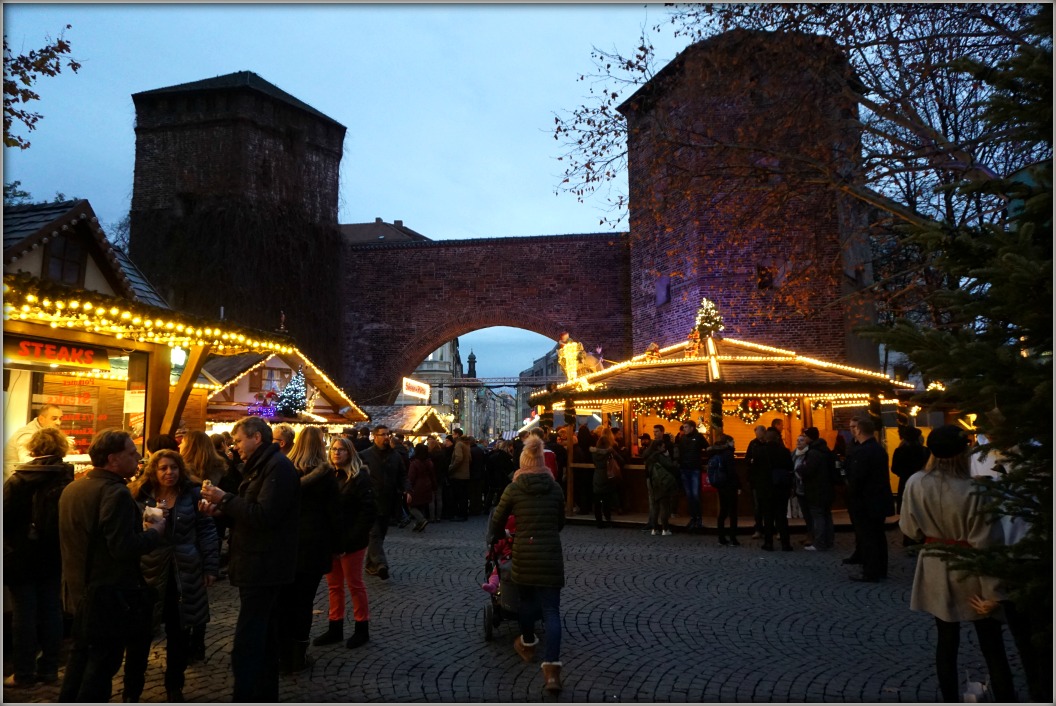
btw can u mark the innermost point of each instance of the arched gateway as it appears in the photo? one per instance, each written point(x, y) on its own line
point(401, 301)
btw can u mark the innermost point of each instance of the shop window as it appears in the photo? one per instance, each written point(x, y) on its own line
point(65, 260)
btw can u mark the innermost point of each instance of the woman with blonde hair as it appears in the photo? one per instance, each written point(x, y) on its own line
point(180, 571)
point(538, 569)
point(315, 533)
point(355, 517)
point(943, 506)
point(603, 487)
point(200, 455)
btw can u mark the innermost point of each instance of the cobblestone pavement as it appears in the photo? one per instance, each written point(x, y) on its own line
point(650, 619)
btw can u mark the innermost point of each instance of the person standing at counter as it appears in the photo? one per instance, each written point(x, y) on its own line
point(16, 452)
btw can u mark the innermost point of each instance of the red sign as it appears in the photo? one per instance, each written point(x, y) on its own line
point(30, 351)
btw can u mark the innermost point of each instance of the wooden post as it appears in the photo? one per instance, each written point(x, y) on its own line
point(178, 400)
point(159, 365)
point(570, 500)
point(875, 416)
point(716, 416)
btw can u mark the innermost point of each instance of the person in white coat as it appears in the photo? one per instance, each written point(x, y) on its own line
point(941, 507)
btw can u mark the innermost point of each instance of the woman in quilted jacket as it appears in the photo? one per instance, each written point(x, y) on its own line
point(538, 569)
point(179, 571)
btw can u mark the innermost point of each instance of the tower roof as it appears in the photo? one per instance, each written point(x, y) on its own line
point(239, 79)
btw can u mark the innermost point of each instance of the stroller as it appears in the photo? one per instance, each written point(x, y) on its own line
point(504, 602)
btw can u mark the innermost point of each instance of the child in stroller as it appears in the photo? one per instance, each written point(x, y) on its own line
point(501, 552)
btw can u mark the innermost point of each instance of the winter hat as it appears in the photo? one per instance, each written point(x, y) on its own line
point(947, 441)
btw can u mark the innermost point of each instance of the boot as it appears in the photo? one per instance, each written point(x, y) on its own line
point(335, 633)
point(300, 660)
point(361, 634)
point(175, 696)
point(552, 675)
point(525, 649)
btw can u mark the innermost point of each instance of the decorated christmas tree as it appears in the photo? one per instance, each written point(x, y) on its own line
point(709, 320)
point(294, 398)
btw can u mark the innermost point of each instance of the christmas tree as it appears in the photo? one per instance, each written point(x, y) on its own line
point(293, 399)
point(709, 320)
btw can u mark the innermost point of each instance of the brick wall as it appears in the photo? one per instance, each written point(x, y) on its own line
point(731, 153)
point(403, 300)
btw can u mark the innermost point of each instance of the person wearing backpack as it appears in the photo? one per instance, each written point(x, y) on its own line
point(723, 477)
point(819, 472)
point(32, 561)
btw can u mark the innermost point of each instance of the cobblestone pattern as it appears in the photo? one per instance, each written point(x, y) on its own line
point(657, 619)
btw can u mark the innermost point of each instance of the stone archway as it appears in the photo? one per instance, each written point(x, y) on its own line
point(404, 300)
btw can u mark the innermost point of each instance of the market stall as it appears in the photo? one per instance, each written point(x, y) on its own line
point(415, 421)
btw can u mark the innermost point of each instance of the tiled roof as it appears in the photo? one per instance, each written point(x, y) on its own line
point(226, 368)
point(379, 231)
point(31, 225)
point(239, 79)
point(407, 419)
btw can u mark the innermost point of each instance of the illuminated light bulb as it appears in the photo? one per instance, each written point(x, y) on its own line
point(25, 307)
point(54, 325)
point(169, 325)
point(60, 305)
point(30, 298)
point(126, 315)
point(137, 321)
point(114, 311)
point(148, 323)
point(75, 304)
point(87, 306)
point(179, 327)
point(46, 302)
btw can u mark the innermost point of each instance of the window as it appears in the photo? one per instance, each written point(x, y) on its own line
point(269, 379)
point(64, 261)
point(663, 290)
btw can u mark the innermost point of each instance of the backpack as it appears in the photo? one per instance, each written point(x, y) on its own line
point(718, 473)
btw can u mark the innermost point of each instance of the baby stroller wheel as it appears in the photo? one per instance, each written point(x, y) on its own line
point(489, 624)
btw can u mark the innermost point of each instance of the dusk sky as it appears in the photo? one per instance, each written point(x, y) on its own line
point(449, 108)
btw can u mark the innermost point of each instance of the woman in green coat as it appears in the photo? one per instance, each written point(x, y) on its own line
point(536, 500)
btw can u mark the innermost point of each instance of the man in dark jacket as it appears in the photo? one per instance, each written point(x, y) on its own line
point(775, 490)
point(102, 536)
point(389, 477)
point(265, 516)
point(758, 475)
point(689, 450)
point(478, 470)
point(869, 501)
point(818, 475)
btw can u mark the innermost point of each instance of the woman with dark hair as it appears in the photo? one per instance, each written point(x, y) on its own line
point(603, 487)
point(422, 479)
point(32, 560)
point(910, 456)
point(942, 506)
point(538, 569)
point(315, 539)
point(180, 571)
point(356, 512)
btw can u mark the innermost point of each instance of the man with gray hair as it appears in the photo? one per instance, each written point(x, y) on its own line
point(265, 515)
point(284, 436)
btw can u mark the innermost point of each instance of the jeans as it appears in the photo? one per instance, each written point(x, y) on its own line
point(988, 630)
point(727, 508)
point(376, 546)
point(255, 650)
point(653, 508)
point(459, 499)
point(691, 484)
point(871, 539)
point(808, 517)
point(824, 532)
point(546, 599)
point(177, 649)
point(775, 514)
point(348, 568)
point(36, 624)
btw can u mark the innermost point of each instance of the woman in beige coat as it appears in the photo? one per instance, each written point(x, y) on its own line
point(940, 507)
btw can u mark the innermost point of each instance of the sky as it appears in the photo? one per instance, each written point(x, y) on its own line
point(449, 108)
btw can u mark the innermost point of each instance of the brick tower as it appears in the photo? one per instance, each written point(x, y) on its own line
point(234, 202)
point(736, 153)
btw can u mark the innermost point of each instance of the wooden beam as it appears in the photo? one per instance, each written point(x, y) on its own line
point(174, 410)
point(159, 365)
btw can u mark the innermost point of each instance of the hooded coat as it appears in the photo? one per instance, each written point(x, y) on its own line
point(318, 522)
point(537, 502)
point(31, 520)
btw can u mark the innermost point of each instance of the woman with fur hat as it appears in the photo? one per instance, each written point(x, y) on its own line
point(941, 506)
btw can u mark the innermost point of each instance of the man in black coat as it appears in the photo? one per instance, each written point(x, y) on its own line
point(689, 451)
point(265, 515)
point(102, 536)
point(389, 477)
point(869, 501)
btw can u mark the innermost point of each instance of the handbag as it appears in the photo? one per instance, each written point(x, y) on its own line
point(612, 468)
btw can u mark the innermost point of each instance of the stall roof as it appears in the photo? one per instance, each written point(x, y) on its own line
point(32, 225)
point(417, 419)
point(727, 366)
point(228, 370)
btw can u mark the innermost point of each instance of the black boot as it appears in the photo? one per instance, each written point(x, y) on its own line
point(300, 660)
point(361, 634)
point(334, 634)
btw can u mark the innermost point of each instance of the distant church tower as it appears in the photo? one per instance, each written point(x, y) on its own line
point(235, 201)
point(472, 372)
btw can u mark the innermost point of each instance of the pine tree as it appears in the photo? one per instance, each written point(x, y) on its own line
point(993, 352)
point(294, 397)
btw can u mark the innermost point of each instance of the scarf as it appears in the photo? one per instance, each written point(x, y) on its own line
point(531, 469)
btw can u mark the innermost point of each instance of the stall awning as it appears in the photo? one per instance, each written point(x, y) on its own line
point(417, 420)
point(720, 366)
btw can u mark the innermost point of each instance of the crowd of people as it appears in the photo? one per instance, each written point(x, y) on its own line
point(134, 544)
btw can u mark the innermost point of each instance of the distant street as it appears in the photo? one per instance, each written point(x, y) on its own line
point(665, 619)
